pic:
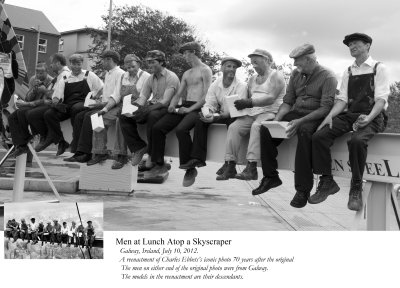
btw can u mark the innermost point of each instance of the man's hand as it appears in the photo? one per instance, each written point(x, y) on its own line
point(97, 95)
point(102, 112)
point(47, 101)
point(327, 121)
point(243, 104)
point(21, 103)
point(55, 100)
point(171, 109)
point(184, 110)
point(292, 127)
point(206, 119)
point(363, 120)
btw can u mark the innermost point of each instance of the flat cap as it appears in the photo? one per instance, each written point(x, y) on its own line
point(302, 50)
point(155, 55)
point(233, 59)
point(111, 54)
point(262, 53)
point(89, 222)
point(357, 36)
point(33, 219)
point(190, 46)
point(132, 57)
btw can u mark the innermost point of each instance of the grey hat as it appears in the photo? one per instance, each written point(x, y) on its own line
point(302, 50)
point(233, 59)
point(262, 53)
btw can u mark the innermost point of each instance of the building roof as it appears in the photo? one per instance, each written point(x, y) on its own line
point(25, 18)
point(82, 30)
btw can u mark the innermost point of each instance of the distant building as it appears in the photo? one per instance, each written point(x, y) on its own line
point(28, 24)
point(77, 41)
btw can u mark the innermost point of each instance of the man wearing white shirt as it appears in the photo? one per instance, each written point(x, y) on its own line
point(129, 83)
point(32, 231)
point(364, 91)
point(82, 137)
point(68, 100)
point(218, 110)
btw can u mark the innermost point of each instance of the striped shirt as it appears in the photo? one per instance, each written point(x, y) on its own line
point(307, 93)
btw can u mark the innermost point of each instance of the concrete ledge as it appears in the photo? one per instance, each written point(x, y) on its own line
point(33, 184)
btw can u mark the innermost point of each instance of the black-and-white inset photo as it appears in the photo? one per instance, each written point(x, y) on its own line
point(40, 230)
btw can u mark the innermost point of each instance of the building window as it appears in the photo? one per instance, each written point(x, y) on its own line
point(20, 39)
point(61, 45)
point(42, 45)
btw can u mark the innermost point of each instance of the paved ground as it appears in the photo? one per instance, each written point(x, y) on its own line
point(207, 205)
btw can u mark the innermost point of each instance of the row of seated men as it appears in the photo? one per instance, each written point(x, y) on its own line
point(56, 233)
point(309, 102)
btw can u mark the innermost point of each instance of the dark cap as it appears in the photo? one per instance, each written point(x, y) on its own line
point(33, 219)
point(190, 46)
point(111, 54)
point(302, 50)
point(262, 53)
point(89, 222)
point(229, 58)
point(357, 36)
point(55, 220)
point(155, 55)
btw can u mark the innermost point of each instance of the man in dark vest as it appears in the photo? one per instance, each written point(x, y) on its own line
point(364, 91)
point(68, 100)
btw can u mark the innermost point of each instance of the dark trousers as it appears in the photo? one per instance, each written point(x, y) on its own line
point(19, 126)
point(303, 177)
point(82, 133)
point(323, 139)
point(131, 134)
point(183, 123)
point(36, 120)
point(199, 147)
point(53, 117)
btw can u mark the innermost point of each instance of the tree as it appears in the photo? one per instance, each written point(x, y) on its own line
point(394, 108)
point(138, 29)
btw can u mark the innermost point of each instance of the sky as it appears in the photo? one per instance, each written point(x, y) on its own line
point(237, 27)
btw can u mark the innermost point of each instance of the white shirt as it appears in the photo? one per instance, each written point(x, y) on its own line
point(382, 85)
point(64, 230)
point(56, 88)
point(111, 80)
point(215, 98)
point(128, 81)
point(33, 227)
point(94, 82)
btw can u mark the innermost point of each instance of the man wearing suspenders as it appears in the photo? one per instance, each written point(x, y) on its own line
point(364, 91)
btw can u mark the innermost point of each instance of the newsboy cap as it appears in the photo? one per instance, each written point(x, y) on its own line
point(262, 53)
point(132, 57)
point(302, 50)
point(190, 46)
point(233, 59)
point(357, 36)
point(111, 54)
point(89, 222)
point(155, 55)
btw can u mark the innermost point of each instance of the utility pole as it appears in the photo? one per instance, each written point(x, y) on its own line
point(109, 26)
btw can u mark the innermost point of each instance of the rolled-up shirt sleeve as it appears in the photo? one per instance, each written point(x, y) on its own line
point(211, 98)
point(343, 88)
point(146, 92)
point(382, 84)
point(95, 83)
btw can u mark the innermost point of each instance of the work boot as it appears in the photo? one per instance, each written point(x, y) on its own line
point(326, 186)
point(19, 150)
point(355, 196)
point(249, 173)
point(62, 146)
point(138, 155)
point(119, 162)
point(43, 145)
point(97, 158)
point(266, 184)
point(300, 199)
point(229, 172)
point(190, 177)
point(222, 169)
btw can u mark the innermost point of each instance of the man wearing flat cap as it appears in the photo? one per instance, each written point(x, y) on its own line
point(90, 234)
point(309, 98)
point(215, 110)
point(68, 100)
point(364, 91)
point(265, 93)
point(162, 84)
point(194, 85)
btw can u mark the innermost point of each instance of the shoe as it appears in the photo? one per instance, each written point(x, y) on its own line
point(355, 196)
point(266, 184)
point(192, 163)
point(97, 158)
point(43, 145)
point(222, 169)
point(142, 167)
point(229, 172)
point(249, 173)
point(19, 150)
point(326, 186)
point(299, 200)
point(138, 155)
point(119, 163)
point(83, 158)
point(62, 146)
point(190, 177)
point(72, 158)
